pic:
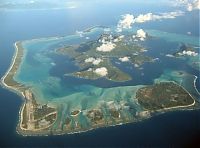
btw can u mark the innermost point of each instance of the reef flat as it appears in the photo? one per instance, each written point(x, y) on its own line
point(33, 117)
point(95, 59)
point(74, 84)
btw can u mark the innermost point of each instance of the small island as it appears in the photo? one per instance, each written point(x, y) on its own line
point(165, 95)
point(190, 54)
point(53, 105)
point(95, 58)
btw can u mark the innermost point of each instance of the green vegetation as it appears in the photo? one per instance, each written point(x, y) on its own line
point(80, 53)
point(163, 95)
point(114, 113)
point(74, 113)
point(24, 115)
point(9, 78)
point(191, 54)
point(140, 59)
point(114, 73)
point(51, 118)
point(42, 111)
point(95, 115)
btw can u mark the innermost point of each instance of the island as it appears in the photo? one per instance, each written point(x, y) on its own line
point(33, 117)
point(164, 95)
point(95, 58)
point(61, 101)
point(189, 53)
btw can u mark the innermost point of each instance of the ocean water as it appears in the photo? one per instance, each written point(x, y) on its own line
point(170, 129)
point(54, 87)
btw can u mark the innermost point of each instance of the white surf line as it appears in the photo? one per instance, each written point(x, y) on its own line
point(181, 106)
point(10, 68)
point(195, 84)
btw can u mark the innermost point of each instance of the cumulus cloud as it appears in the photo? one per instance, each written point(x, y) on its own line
point(118, 39)
point(193, 5)
point(144, 18)
point(190, 5)
point(141, 34)
point(124, 59)
point(178, 2)
point(128, 19)
point(101, 71)
point(97, 61)
point(106, 29)
point(80, 33)
point(189, 53)
point(126, 22)
point(106, 47)
point(89, 60)
point(171, 15)
point(93, 61)
point(152, 17)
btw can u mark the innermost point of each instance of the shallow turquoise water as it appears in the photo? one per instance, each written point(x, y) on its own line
point(51, 87)
point(174, 128)
point(34, 70)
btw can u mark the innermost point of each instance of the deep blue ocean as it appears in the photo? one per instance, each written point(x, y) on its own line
point(173, 129)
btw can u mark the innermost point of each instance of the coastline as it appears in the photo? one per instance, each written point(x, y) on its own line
point(21, 131)
point(195, 81)
point(8, 71)
point(20, 89)
point(11, 66)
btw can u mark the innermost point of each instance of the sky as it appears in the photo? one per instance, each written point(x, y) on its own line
point(189, 5)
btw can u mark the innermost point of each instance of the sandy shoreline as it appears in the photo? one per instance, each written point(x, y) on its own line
point(23, 96)
point(8, 71)
point(11, 66)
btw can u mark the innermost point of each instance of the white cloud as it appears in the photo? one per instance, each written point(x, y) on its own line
point(93, 61)
point(190, 5)
point(97, 61)
point(121, 36)
point(89, 60)
point(178, 2)
point(106, 29)
point(128, 19)
point(106, 38)
point(171, 15)
point(106, 47)
point(189, 53)
point(124, 59)
point(90, 69)
point(136, 65)
point(144, 18)
point(101, 71)
point(152, 17)
point(80, 33)
point(141, 34)
point(126, 22)
point(118, 39)
point(193, 5)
